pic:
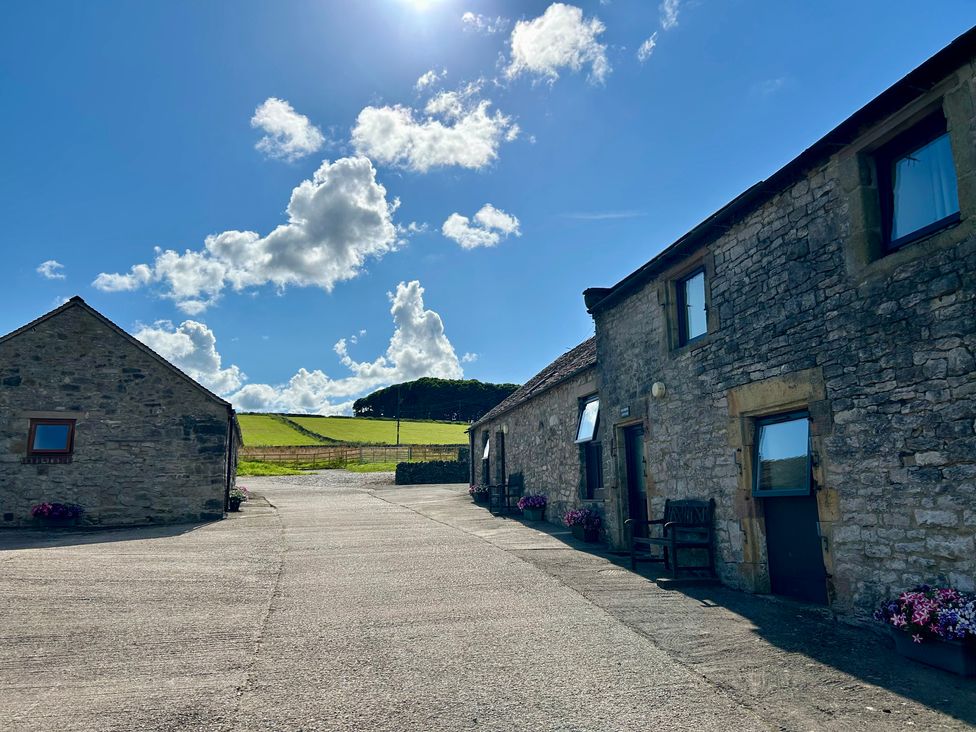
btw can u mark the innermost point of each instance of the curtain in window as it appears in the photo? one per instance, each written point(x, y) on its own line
point(924, 188)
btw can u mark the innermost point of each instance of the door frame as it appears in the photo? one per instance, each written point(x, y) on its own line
point(795, 392)
point(619, 490)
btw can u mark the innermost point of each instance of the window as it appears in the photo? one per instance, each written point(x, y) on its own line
point(917, 183)
point(782, 465)
point(692, 313)
point(593, 468)
point(484, 458)
point(589, 415)
point(51, 437)
point(591, 451)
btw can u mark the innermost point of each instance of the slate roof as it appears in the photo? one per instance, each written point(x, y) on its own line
point(569, 364)
point(958, 53)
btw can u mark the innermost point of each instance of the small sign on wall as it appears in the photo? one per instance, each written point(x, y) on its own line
point(625, 411)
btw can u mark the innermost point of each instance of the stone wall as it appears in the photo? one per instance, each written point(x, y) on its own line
point(539, 443)
point(879, 349)
point(150, 447)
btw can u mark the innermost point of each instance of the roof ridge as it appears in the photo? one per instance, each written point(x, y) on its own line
point(78, 301)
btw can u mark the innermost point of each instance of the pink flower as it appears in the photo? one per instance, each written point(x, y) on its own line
point(917, 638)
point(899, 620)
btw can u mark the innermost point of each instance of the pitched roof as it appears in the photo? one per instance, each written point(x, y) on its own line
point(77, 302)
point(569, 364)
point(961, 51)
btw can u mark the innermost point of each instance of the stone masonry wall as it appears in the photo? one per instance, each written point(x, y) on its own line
point(889, 342)
point(539, 443)
point(149, 446)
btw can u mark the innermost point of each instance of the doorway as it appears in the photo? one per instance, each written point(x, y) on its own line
point(784, 481)
point(636, 483)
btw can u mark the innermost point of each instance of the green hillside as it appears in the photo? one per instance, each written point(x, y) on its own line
point(383, 431)
point(266, 430)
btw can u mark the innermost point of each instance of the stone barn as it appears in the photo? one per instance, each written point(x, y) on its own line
point(535, 434)
point(93, 417)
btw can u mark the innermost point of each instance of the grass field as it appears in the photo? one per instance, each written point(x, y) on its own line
point(383, 432)
point(265, 430)
point(262, 430)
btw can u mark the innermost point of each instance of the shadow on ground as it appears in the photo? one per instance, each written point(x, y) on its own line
point(50, 538)
point(796, 629)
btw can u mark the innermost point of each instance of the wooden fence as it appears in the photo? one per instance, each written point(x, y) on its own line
point(331, 455)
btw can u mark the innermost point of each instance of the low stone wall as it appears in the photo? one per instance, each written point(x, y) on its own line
point(438, 471)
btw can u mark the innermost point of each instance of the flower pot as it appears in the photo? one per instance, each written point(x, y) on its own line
point(480, 498)
point(234, 504)
point(56, 523)
point(957, 656)
point(533, 514)
point(584, 534)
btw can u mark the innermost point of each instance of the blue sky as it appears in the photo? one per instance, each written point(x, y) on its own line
point(128, 126)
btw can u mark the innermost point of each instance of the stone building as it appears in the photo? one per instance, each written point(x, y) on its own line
point(805, 356)
point(91, 416)
point(533, 433)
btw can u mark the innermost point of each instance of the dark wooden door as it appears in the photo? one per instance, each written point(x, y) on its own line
point(793, 548)
point(636, 485)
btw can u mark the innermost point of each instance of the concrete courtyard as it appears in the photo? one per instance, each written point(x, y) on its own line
point(339, 602)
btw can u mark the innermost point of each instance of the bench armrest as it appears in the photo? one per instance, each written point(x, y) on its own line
point(682, 525)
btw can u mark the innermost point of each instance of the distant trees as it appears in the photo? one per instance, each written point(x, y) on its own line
point(429, 398)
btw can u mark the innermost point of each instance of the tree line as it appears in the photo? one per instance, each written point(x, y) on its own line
point(429, 398)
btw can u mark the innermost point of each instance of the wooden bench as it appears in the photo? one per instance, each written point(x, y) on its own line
point(504, 498)
point(686, 524)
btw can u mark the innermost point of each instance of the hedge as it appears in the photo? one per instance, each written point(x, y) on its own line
point(435, 471)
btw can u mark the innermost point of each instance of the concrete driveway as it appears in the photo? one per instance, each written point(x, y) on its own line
point(351, 605)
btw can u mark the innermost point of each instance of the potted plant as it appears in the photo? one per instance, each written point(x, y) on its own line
point(585, 523)
point(935, 626)
point(533, 507)
point(237, 496)
point(57, 515)
point(479, 493)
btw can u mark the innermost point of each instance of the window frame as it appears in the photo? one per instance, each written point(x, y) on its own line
point(924, 132)
point(681, 303)
point(592, 450)
point(758, 424)
point(32, 432)
point(583, 404)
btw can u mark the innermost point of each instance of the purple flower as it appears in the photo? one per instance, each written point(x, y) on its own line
point(532, 501)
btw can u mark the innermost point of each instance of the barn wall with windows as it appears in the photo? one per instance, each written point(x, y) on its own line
point(145, 444)
point(823, 391)
point(536, 428)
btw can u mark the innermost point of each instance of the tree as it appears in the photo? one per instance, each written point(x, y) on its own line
point(429, 398)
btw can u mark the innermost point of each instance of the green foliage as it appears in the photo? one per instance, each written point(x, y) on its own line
point(429, 398)
point(371, 467)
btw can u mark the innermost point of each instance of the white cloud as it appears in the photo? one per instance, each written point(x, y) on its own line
point(559, 38)
point(429, 78)
point(419, 347)
point(289, 135)
point(484, 23)
point(669, 14)
point(489, 227)
point(192, 348)
point(647, 48)
point(136, 277)
point(469, 358)
point(455, 128)
point(336, 221)
point(51, 270)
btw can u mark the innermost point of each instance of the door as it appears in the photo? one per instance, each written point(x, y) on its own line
point(784, 483)
point(636, 485)
point(793, 548)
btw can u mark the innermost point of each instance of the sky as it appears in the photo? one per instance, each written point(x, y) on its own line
point(302, 201)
